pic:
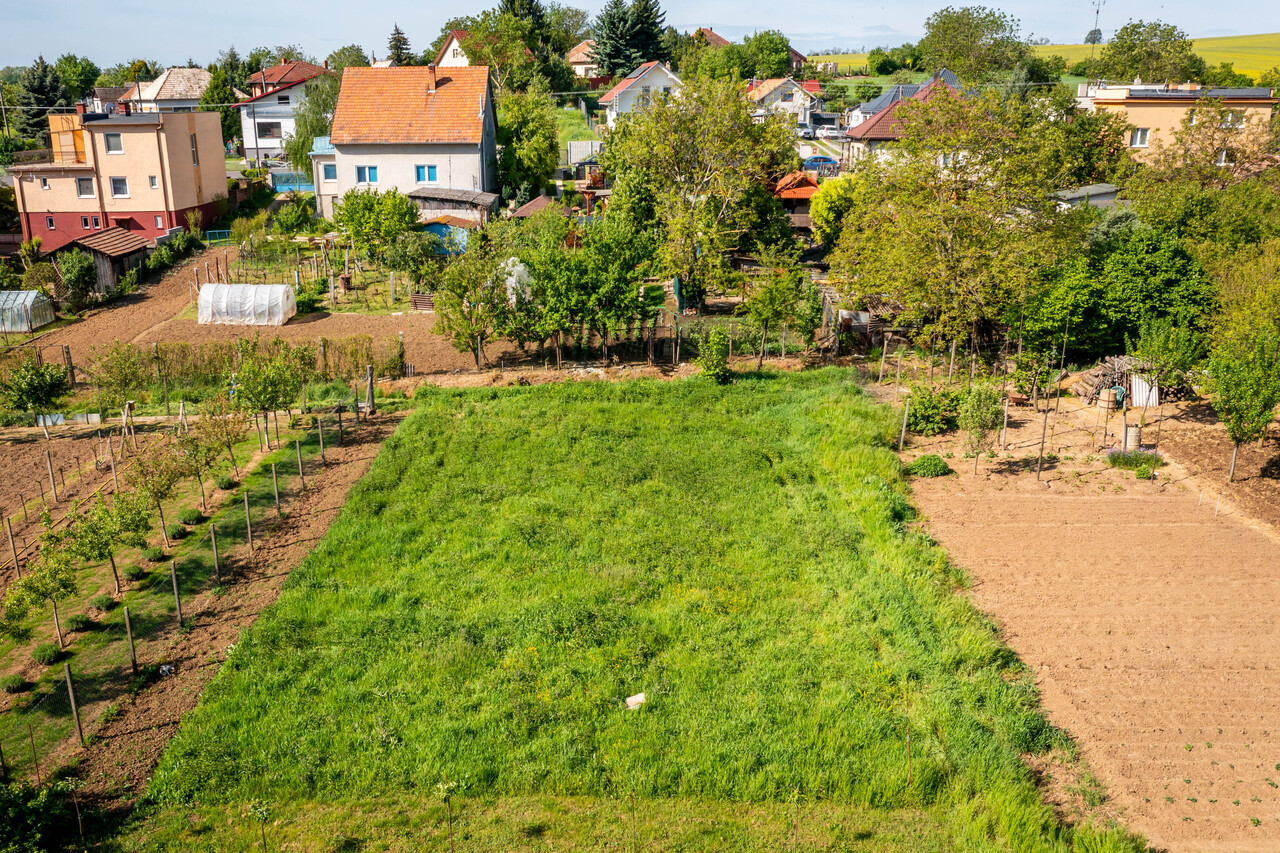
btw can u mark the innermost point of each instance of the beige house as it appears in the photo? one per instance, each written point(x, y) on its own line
point(143, 172)
point(581, 58)
point(177, 90)
point(1156, 112)
point(428, 132)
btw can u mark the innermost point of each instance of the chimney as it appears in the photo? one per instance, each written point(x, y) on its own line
point(326, 65)
point(122, 107)
point(80, 108)
point(431, 79)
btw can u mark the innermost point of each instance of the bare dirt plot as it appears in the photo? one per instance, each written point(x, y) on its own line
point(1147, 621)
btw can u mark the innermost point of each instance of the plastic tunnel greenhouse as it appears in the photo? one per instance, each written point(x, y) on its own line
point(247, 304)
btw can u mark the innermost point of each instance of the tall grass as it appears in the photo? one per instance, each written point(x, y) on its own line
point(518, 562)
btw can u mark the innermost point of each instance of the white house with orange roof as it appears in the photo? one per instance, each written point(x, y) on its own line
point(637, 89)
point(783, 95)
point(266, 118)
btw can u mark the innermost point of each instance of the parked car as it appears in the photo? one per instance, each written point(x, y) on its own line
point(804, 131)
point(830, 131)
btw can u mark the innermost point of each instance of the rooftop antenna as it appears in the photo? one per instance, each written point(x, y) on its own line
point(1097, 12)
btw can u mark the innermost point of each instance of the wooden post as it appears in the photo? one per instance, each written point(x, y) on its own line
point(12, 548)
point(902, 436)
point(897, 383)
point(133, 655)
point(884, 347)
point(71, 368)
point(320, 435)
point(368, 394)
point(1004, 431)
point(275, 486)
point(177, 599)
point(53, 485)
point(248, 523)
point(111, 450)
point(301, 477)
point(1044, 430)
point(952, 367)
point(71, 694)
point(35, 762)
point(4, 768)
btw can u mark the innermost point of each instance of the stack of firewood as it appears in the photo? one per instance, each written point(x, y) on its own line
point(1117, 370)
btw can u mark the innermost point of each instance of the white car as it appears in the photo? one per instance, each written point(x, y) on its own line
point(829, 131)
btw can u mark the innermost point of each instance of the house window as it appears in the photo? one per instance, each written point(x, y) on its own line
point(329, 171)
point(282, 99)
point(195, 155)
point(425, 174)
point(788, 97)
point(95, 222)
point(119, 187)
point(154, 183)
point(111, 142)
point(159, 221)
point(457, 52)
point(268, 130)
point(84, 187)
point(44, 183)
point(1226, 157)
point(366, 174)
point(84, 222)
point(1138, 137)
point(1232, 119)
point(48, 221)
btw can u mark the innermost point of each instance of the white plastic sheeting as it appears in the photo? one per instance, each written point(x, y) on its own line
point(247, 304)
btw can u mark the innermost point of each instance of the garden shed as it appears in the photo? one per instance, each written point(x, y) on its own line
point(24, 310)
point(247, 304)
point(115, 251)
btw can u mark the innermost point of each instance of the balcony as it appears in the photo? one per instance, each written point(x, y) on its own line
point(50, 156)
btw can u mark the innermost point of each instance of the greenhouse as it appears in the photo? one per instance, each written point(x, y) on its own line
point(24, 310)
point(247, 304)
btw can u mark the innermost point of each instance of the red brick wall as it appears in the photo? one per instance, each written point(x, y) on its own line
point(67, 227)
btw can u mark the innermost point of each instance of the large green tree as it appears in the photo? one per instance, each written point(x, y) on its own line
point(648, 22)
point(959, 223)
point(312, 117)
point(1244, 385)
point(973, 42)
point(79, 73)
point(527, 136)
point(770, 54)
point(500, 41)
point(218, 97)
point(374, 220)
point(348, 56)
point(133, 71)
point(40, 90)
point(1153, 51)
point(398, 50)
point(707, 163)
point(615, 35)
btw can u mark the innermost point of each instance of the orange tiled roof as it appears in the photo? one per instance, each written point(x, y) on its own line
point(581, 52)
point(626, 82)
point(887, 124)
point(798, 184)
point(286, 72)
point(411, 105)
point(714, 39)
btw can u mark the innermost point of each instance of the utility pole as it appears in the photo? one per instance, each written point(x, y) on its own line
point(4, 110)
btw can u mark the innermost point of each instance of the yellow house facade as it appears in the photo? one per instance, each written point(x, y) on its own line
point(1155, 113)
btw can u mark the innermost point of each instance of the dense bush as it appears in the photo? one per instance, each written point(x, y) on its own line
point(46, 654)
point(13, 683)
point(33, 386)
point(933, 410)
point(714, 359)
point(79, 622)
point(295, 216)
point(102, 602)
point(1133, 460)
point(173, 250)
point(42, 277)
point(225, 482)
point(153, 555)
point(35, 818)
point(136, 573)
point(191, 515)
point(80, 275)
point(307, 301)
point(929, 465)
point(176, 531)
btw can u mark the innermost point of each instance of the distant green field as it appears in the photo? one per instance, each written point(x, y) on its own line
point(1251, 54)
point(520, 561)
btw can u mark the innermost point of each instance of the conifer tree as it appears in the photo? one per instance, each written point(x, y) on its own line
point(398, 47)
point(615, 30)
point(40, 87)
point(648, 21)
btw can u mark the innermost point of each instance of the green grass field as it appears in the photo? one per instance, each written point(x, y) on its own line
point(571, 126)
point(1251, 54)
point(520, 561)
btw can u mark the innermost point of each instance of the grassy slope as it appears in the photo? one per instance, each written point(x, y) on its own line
point(518, 562)
point(571, 126)
point(1251, 54)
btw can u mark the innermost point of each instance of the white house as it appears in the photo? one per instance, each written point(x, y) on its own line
point(428, 132)
point(267, 117)
point(451, 54)
point(581, 58)
point(636, 89)
point(177, 90)
point(783, 95)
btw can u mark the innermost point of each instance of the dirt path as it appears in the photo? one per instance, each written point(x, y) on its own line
point(1148, 622)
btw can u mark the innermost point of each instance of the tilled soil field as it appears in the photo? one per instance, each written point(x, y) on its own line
point(1145, 610)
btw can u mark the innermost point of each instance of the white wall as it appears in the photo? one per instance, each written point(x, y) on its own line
point(635, 95)
point(799, 105)
point(454, 56)
point(458, 167)
point(268, 109)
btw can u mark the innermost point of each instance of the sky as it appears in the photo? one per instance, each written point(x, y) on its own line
point(172, 32)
